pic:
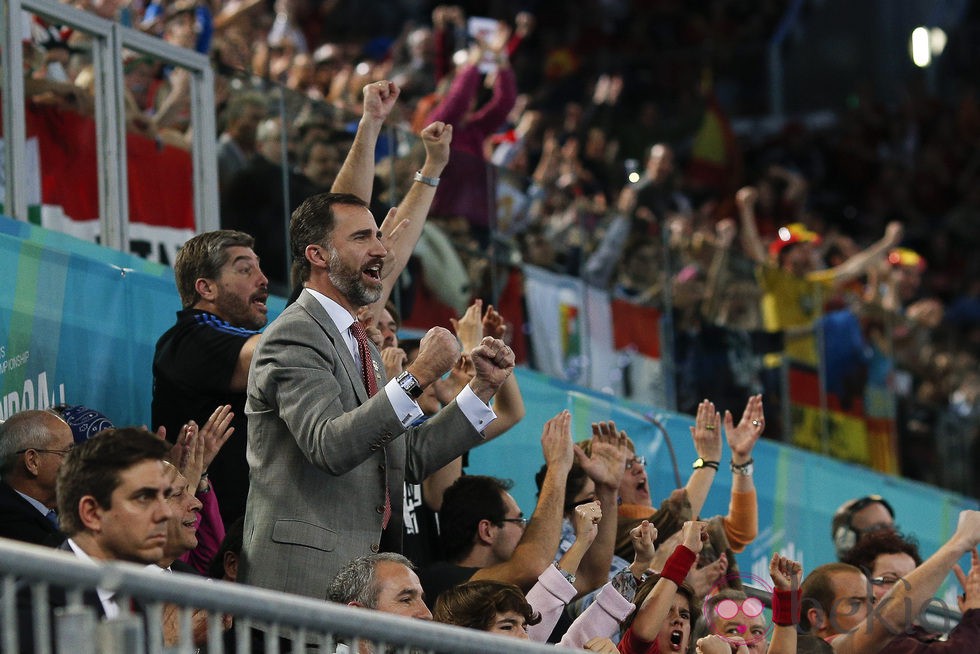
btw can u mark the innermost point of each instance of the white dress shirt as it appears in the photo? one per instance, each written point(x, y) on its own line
point(106, 597)
point(408, 411)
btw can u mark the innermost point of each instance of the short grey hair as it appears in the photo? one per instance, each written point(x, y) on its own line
point(23, 431)
point(356, 583)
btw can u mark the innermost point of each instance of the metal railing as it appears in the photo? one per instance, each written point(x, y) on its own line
point(284, 621)
point(108, 40)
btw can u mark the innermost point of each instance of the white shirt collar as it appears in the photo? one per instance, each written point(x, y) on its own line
point(340, 316)
point(106, 597)
point(37, 505)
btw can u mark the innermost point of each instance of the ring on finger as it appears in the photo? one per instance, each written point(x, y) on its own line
point(756, 423)
point(709, 427)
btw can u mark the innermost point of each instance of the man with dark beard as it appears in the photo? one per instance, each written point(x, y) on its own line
point(330, 443)
point(202, 361)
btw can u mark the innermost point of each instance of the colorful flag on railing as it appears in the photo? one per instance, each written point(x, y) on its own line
point(161, 201)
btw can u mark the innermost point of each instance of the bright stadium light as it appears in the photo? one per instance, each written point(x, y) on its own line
point(937, 41)
point(919, 47)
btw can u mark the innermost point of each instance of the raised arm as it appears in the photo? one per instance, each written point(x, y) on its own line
point(537, 548)
point(742, 522)
point(605, 466)
point(856, 265)
point(706, 433)
point(403, 227)
point(492, 115)
point(586, 525)
point(908, 597)
point(356, 176)
point(787, 576)
point(550, 597)
point(745, 200)
point(650, 616)
point(508, 403)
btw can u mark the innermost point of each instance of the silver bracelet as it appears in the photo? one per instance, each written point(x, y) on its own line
point(430, 181)
point(745, 469)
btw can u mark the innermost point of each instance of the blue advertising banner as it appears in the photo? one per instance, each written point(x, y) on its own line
point(79, 325)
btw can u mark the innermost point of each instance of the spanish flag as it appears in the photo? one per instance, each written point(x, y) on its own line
point(716, 163)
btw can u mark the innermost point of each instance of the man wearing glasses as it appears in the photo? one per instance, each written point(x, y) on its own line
point(33, 445)
point(887, 558)
point(484, 534)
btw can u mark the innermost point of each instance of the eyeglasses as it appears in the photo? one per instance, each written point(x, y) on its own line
point(522, 522)
point(884, 581)
point(63, 452)
point(636, 461)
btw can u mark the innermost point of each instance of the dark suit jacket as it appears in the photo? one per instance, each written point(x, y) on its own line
point(21, 521)
point(320, 454)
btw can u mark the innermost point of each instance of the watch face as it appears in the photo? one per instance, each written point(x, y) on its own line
point(410, 385)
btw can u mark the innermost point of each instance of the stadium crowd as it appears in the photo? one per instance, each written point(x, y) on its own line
point(836, 244)
point(587, 130)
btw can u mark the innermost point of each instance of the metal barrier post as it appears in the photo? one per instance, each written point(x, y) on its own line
point(123, 635)
point(75, 630)
point(14, 130)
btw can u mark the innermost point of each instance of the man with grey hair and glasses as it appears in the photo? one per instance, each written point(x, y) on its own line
point(32, 446)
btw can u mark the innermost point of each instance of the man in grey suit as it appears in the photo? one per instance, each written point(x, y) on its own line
point(330, 442)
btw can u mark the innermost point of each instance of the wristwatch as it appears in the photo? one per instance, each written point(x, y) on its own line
point(567, 575)
point(744, 469)
point(428, 181)
point(701, 463)
point(409, 384)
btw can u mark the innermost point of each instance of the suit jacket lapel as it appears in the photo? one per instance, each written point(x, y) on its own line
point(317, 312)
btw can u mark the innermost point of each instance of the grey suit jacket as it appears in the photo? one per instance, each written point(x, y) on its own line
point(320, 453)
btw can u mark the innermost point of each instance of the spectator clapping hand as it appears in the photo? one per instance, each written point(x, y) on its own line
point(742, 439)
point(556, 442)
point(469, 328)
point(706, 432)
point(606, 462)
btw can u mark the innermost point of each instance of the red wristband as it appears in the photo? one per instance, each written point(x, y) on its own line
point(786, 607)
point(678, 564)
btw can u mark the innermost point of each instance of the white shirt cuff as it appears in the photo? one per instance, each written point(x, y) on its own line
point(407, 409)
point(479, 414)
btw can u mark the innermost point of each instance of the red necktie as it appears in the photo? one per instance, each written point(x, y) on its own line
point(371, 384)
point(367, 367)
